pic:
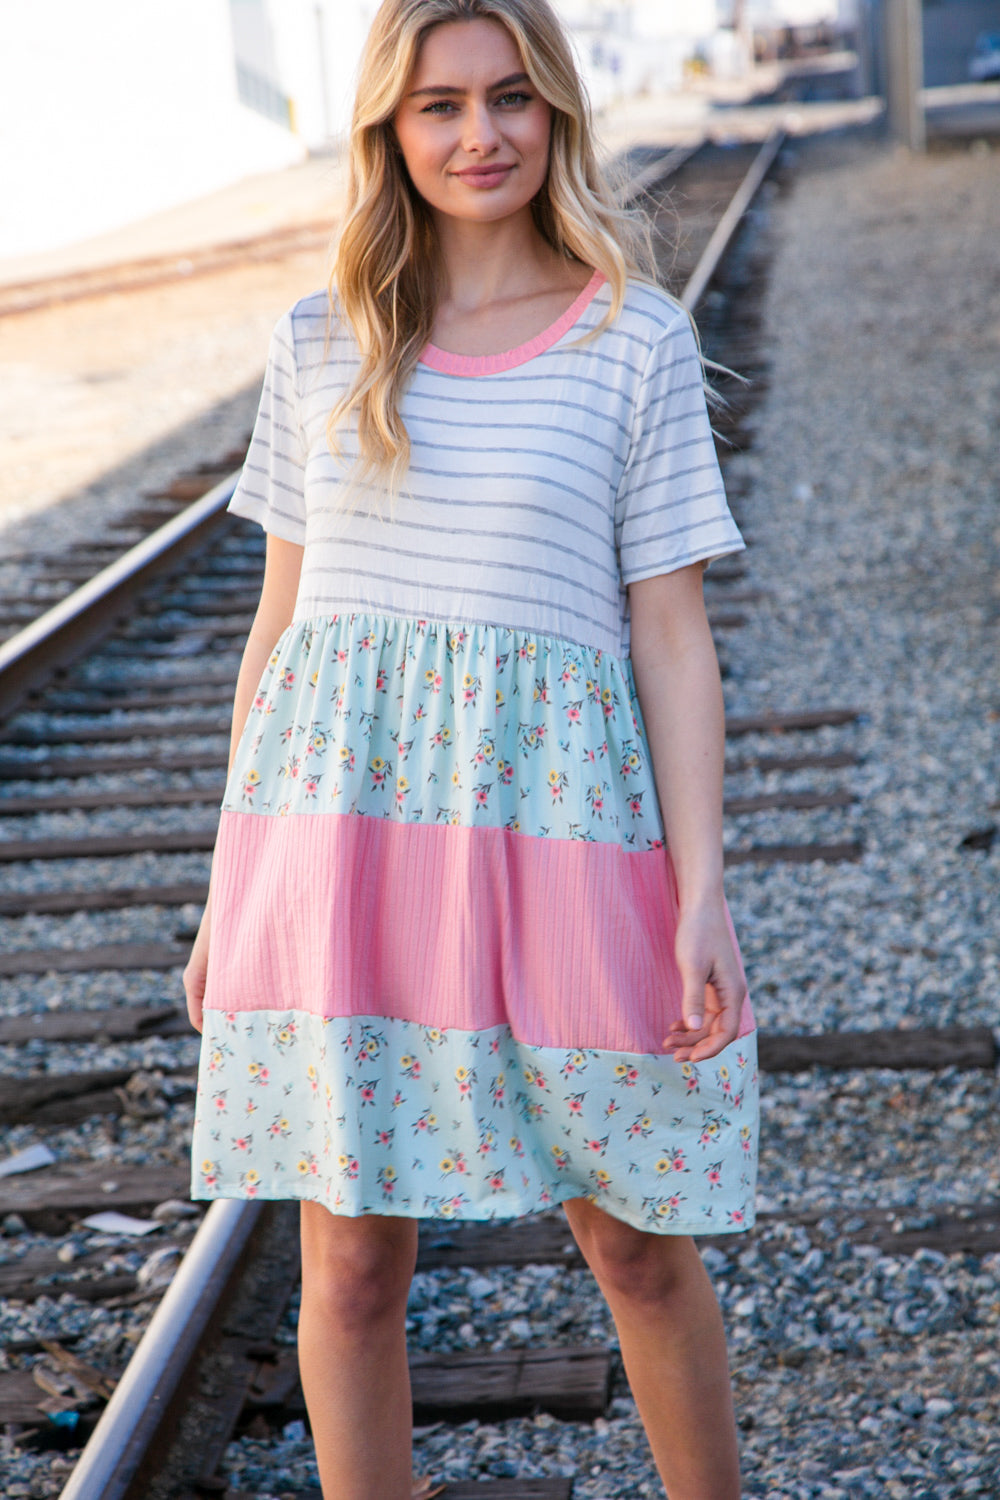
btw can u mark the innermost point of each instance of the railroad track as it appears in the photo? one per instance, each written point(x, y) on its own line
point(78, 714)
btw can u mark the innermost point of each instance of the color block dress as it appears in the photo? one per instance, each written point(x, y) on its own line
point(441, 965)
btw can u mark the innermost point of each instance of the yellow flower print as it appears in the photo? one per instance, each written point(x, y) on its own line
point(461, 1074)
point(254, 1068)
point(311, 1072)
point(447, 1164)
point(432, 1120)
point(620, 1070)
point(344, 753)
point(342, 1162)
point(663, 1165)
point(378, 764)
point(468, 680)
point(434, 1035)
point(402, 784)
point(252, 1177)
point(602, 1177)
point(456, 778)
point(208, 1166)
point(284, 1035)
point(605, 695)
point(252, 778)
point(554, 778)
point(302, 1167)
point(500, 699)
point(389, 1173)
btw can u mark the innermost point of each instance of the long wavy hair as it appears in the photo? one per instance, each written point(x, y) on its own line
point(385, 280)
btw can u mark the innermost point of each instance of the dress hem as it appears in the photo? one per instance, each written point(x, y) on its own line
point(697, 1229)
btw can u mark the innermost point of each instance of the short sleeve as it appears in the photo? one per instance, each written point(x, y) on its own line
point(271, 488)
point(671, 506)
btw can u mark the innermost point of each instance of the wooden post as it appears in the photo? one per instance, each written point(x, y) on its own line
point(904, 49)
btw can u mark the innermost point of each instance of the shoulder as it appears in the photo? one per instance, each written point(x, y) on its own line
point(310, 333)
point(652, 317)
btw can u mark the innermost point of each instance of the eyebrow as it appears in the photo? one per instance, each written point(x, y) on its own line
point(446, 88)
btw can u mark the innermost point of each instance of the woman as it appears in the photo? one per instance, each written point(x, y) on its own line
point(449, 967)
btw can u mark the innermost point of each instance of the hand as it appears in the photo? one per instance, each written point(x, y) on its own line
point(714, 985)
point(194, 975)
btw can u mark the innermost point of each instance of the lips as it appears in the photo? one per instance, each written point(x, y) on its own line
point(485, 175)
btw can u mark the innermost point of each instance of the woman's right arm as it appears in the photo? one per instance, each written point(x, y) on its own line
point(274, 613)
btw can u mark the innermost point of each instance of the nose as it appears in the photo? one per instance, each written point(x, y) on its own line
point(480, 134)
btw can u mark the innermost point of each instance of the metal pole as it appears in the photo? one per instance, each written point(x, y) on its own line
point(904, 46)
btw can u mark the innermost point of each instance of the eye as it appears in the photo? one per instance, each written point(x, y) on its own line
point(514, 97)
point(437, 107)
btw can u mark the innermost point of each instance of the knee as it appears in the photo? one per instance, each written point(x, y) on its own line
point(356, 1271)
point(635, 1266)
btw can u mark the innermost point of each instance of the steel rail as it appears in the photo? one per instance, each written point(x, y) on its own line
point(63, 633)
point(117, 1447)
point(722, 235)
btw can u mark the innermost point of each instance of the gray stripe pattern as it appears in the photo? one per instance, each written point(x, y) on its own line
point(535, 494)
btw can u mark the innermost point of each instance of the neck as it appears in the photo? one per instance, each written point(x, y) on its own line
point(486, 263)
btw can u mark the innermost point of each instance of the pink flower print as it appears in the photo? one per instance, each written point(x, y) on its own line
point(241, 1143)
point(541, 693)
point(737, 1216)
point(379, 769)
point(598, 1145)
point(724, 1080)
point(249, 1182)
point(713, 1175)
point(433, 680)
point(346, 757)
point(573, 713)
point(470, 687)
point(568, 672)
point(505, 772)
point(410, 1065)
point(209, 1170)
point(348, 1166)
point(311, 787)
point(387, 1178)
point(627, 1075)
point(746, 1138)
point(397, 1099)
point(498, 1088)
point(516, 1145)
point(250, 783)
point(419, 712)
point(367, 641)
point(575, 1063)
point(482, 793)
point(601, 1179)
point(442, 737)
point(367, 1092)
point(494, 1045)
point(557, 781)
point(560, 1156)
point(635, 804)
point(258, 1073)
point(631, 763)
point(611, 1108)
point(219, 1100)
point(495, 1180)
point(426, 1122)
point(259, 701)
point(402, 787)
point(380, 678)
point(574, 1103)
point(607, 702)
point(286, 678)
point(465, 1079)
point(709, 1133)
point(678, 1164)
point(461, 1165)
point(384, 1137)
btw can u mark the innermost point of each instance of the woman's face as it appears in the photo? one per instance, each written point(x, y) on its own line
point(473, 130)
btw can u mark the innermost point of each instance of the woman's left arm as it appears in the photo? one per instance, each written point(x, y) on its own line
point(680, 694)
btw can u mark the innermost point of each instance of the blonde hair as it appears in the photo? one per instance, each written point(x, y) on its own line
point(385, 277)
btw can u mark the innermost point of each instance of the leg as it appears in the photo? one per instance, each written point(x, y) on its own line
point(356, 1277)
point(673, 1346)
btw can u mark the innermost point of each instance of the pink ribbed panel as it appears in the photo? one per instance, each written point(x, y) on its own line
point(568, 942)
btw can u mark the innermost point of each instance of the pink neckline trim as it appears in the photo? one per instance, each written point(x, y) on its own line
point(492, 364)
